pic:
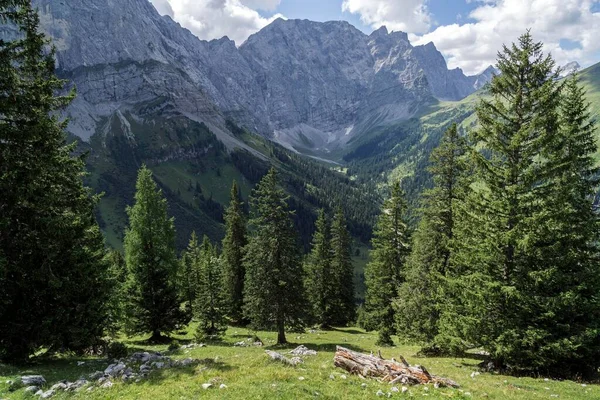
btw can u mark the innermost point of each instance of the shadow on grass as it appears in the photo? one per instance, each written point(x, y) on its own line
point(325, 347)
point(157, 377)
point(350, 331)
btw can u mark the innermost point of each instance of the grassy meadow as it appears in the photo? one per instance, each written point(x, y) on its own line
point(249, 374)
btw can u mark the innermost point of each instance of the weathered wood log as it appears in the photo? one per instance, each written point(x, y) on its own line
point(369, 366)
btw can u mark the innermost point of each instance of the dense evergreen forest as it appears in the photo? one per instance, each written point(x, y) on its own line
point(505, 256)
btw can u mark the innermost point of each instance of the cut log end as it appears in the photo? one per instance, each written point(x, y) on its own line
point(369, 366)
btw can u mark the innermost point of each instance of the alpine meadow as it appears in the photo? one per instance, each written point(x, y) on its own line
point(314, 210)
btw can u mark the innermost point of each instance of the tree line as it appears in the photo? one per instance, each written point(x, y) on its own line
point(60, 289)
point(505, 257)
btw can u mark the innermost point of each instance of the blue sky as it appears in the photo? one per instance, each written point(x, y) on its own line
point(469, 33)
point(445, 12)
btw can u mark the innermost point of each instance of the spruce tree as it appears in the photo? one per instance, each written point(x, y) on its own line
point(233, 255)
point(342, 271)
point(274, 292)
point(153, 298)
point(320, 285)
point(383, 274)
point(210, 305)
point(422, 296)
point(53, 276)
point(527, 249)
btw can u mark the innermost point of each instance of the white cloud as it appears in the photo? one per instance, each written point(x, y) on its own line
point(397, 15)
point(473, 43)
point(266, 5)
point(213, 19)
point(163, 7)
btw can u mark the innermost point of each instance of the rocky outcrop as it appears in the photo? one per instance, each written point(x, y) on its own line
point(307, 85)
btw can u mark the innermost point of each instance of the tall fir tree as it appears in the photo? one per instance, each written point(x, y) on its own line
point(53, 276)
point(319, 282)
point(342, 270)
point(274, 292)
point(529, 278)
point(153, 296)
point(421, 296)
point(190, 262)
point(384, 273)
point(210, 304)
point(233, 255)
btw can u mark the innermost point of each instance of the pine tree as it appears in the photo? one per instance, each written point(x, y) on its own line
point(154, 303)
point(53, 276)
point(189, 272)
point(233, 255)
point(319, 278)
point(383, 274)
point(273, 293)
point(342, 271)
point(210, 305)
point(527, 248)
point(421, 296)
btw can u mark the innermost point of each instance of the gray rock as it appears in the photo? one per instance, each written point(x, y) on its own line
point(59, 386)
point(115, 369)
point(94, 376)
point(47, 394)
point(306, 85)
point(303, 351)
point(31, 389)
point(207, 386)
point(107, 385)
point(33, 380)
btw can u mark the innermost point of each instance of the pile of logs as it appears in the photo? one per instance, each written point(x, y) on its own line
point(392, 371)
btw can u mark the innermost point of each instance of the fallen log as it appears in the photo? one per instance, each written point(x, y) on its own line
point(369, 366)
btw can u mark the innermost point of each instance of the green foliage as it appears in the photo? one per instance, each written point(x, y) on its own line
point(233, 255)
point(528, 278)
point(53, 278)
point(210, 307)
point(153, 298)
point(319, 275)
point(117, 274)
point(421, 296)
point(342, 271)
point(190, 262)
point(384, 273)
point(116, 350)
point(273, 293)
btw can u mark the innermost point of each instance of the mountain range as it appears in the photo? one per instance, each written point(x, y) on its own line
point(202, 113)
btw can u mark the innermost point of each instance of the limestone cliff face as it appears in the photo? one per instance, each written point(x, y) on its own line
point(308, 85)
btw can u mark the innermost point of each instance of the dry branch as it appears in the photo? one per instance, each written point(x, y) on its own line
point(369, 366)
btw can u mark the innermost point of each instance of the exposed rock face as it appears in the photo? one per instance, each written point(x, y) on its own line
point(306, 84)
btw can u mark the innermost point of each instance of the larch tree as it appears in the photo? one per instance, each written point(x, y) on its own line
point(189, 272)
point(422, 296)
point(233, 255)
point(53, 275)
point(210, 307)
point(274, 293)
point(342, 270)
point(153, 295)
point(319, 282)
point(384, 273)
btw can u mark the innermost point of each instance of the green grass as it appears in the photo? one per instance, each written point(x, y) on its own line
point(249, 374)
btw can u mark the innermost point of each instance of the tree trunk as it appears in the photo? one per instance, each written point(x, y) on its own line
point(391, 371)
point(281, 332)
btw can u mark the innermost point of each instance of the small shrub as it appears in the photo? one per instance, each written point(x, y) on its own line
point(116, 350)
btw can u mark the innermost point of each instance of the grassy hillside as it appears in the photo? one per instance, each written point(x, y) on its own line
point(249, 374)
point(402, 151)
point(195, 171)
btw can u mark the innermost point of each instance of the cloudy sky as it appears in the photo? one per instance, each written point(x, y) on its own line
point(468, 32)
